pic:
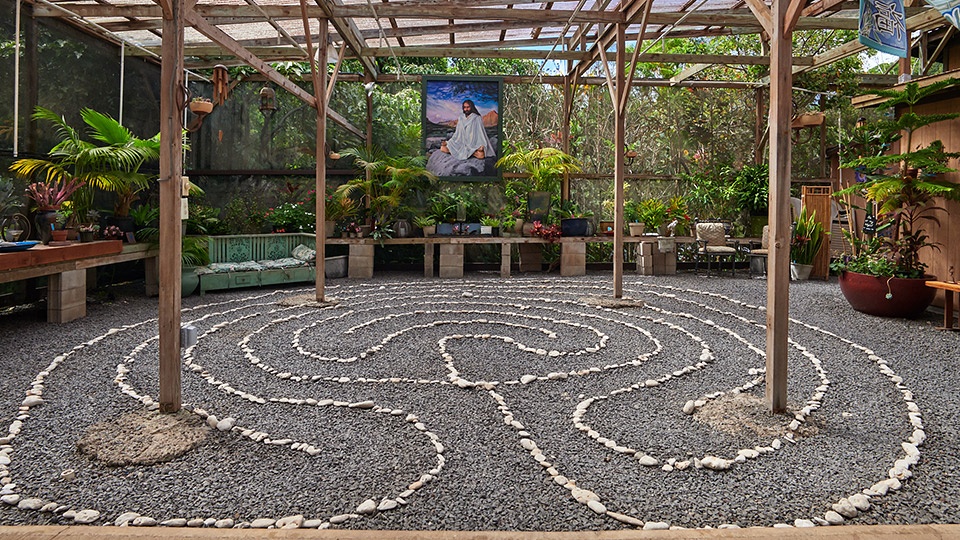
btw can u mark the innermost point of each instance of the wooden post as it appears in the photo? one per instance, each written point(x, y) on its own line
point(319, 91)
point(778, 277)
point(565, 133)
point(171, 168)
point(619, 145)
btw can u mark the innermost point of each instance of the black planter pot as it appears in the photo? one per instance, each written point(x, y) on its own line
point(573, 226)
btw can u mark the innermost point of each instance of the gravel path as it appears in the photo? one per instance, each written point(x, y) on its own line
point(488, 404)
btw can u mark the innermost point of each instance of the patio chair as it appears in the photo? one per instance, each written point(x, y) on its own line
point(759, 255)
point(712, 244)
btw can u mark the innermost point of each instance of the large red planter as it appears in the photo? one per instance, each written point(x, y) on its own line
point(868, 294)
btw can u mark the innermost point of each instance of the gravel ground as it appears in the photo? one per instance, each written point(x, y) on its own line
point(488, 404)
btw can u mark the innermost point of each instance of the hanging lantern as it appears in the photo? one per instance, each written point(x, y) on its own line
point(268, 99)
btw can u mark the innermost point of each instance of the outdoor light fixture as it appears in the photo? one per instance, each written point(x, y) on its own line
point(268, 99)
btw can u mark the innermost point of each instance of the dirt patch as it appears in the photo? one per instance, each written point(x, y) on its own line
point(143, 438)
point(309, 300)
point(743, 414)
point(612, 303)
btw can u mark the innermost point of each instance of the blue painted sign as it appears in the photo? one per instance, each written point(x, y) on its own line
point(883, 26)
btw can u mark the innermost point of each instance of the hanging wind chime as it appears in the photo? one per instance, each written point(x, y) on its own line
point(221, 84)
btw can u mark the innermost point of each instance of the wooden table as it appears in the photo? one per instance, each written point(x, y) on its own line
point(67, 266)
point(950, 290)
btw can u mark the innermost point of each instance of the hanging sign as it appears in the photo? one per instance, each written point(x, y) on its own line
point(950, 9)
point(883, 26)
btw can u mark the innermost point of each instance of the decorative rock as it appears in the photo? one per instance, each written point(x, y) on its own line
point(622, 518)
point(647, 461)
point(336, 520)
point(527, 379)
point(86, 516)
point(801, 523)
point(597, 507)
point(715, 463)
point(656, 526)
point(833, 518)
point(860, 501)
point(290, 522)
point(31, 401)
point(689, 407)
point(367, 507)
point(387, 504)
point(31, 504)
point(195, 522)
point(262, 523)
point(845, 508)
point(226, 424)
point(312, 524)
point(144, 521)
point(175, 522)
point(10, 499)
point(49, 507)
point(224, 524)
point(362, 405)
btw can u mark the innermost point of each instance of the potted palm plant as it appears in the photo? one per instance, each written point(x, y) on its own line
point(884, 275)
point(545, 168)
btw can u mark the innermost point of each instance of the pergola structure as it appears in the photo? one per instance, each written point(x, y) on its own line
point(580, 35)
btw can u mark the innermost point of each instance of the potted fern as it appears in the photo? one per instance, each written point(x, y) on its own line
point(884, 275)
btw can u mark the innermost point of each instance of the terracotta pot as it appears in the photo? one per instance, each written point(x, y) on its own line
point(201, 107)
point(887, 297)
point(430, 230)
point(58, 235)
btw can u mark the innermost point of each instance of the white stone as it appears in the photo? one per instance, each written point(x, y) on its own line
point(833, 518)
point(226, 523)
point(387, 504)
point(802, 523)
point(845, 508)
point(10, 499)
point(625, 518)
point(367, 507)
point(86, 516)
point(362, 405)
point(527, 379)
point(583, 496)
point(681, 465)
point(212, 421)
point(716, 463)
point(336, 520)
point(145, 521)
point(175, 522)
point(656, 526)
point(647, 461)
point(597, 507)
point(31, 504)
point(312, 524)
point(290, 522)
point(31, 401)
point(689, 407)
point(262, 523)
point(226, 424)
point(860, 501)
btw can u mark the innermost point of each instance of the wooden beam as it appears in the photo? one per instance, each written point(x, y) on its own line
point(647, 4)
point(778, 267)
point(762, 13)
point(348, 31)
point(619, 145)
point(793, 13)
point(688, 72)
point(400, 11)
point(171, 128)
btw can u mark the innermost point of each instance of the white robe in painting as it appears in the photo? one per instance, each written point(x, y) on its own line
point(469, 137)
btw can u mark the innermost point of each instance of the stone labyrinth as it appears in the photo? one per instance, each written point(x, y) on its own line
point(474, 404)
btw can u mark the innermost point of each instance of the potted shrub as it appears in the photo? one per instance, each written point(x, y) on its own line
point(427, 223)
point(884, 275)
point(805, 244)
point(652, 213)
point(574, 222)
point(490, 225)
point(631, 212)
point(751, 192)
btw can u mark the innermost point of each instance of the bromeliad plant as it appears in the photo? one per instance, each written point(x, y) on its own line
point(901, 187)
point(807, 238)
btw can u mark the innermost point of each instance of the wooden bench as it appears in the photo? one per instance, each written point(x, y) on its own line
point(67, 268)
point(950, 290)
point(572, 253)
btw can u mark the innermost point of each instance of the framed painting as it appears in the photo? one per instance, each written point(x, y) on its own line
point(461, 130)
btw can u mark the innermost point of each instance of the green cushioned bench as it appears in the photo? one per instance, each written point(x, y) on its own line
point(244, 248)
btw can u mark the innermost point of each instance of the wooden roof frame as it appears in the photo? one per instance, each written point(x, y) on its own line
point(579, 33)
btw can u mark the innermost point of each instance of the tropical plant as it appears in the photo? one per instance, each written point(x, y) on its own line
point(51, 194)
point(902, 187)
point(424, 221)
point(111, 163)
point(292, 217)
point(9, 198)
point(807, 238)
point(490, 221)
point(652, 213)
point(389, 182)
point(751, 188)
point(545, 166)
